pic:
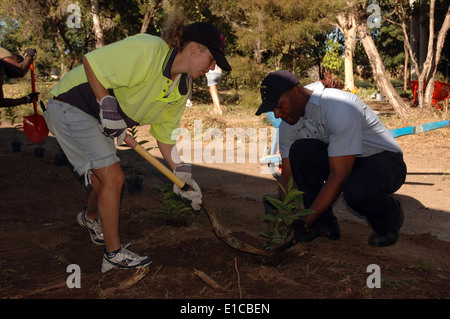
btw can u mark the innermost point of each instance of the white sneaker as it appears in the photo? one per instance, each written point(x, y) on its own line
point(94, 227)
point(189, 103)
point(124, 259)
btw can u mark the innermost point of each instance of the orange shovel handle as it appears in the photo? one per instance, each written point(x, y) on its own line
point(33, 87)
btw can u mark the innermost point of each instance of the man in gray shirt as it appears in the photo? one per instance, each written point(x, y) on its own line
point(332, 143)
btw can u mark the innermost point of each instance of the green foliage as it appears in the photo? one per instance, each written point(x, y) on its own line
point(332, 59)
point(389, 44)
point(11, 117)
point(246, 72)
point(250, 100)
point(175, 208)
point(261, 35)
point(286, 213)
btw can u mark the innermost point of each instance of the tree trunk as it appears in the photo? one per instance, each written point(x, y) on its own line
point(257, 51)
point(149, 14)
point(405, 68)
point(257, 46)
point(428, 64)
point(98, 31)
point(423, 35)
point(379, 72)
point(347, 25)
point(437, 53)
point(414, 39)
point(58, 45)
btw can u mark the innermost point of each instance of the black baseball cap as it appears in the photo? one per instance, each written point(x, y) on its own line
point(207, 34)
point(273, 86)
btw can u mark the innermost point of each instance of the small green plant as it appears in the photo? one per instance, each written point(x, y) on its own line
point(11, 116)
point(284, 215)
point(175, 208)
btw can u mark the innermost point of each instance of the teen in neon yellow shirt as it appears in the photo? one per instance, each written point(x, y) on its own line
point(137, 69)
point(139, 80)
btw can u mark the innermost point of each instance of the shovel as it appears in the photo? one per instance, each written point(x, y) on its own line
point(34, 126)
point(221, 232)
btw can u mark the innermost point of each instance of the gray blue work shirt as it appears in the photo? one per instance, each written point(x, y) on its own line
point(341, 120)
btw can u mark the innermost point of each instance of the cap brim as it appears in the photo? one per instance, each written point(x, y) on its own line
point(267, 106)
point(221, 61)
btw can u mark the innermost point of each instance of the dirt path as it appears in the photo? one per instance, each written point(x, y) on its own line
point(39, 203)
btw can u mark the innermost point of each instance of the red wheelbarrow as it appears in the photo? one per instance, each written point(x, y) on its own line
point(441, 92)
point(34, 126)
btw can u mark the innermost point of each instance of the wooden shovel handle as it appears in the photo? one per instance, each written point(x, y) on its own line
point(131, 142)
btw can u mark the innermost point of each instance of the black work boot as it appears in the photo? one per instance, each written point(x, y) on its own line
point(390, 238)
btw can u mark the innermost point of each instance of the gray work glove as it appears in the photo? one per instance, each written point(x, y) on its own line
point(184, 172)
point(112, 123)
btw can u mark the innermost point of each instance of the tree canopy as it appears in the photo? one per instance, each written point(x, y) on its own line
point(262, 35)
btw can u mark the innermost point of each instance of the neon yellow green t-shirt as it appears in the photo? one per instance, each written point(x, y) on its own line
point(137, 70)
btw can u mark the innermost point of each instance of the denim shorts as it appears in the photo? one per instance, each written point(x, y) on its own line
point(80, 137)
point(213, 78)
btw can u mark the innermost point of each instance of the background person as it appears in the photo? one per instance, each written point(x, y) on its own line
point(13, 65)
point(213, 79)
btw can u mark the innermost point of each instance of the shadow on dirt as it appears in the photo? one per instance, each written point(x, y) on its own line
point(40, 201)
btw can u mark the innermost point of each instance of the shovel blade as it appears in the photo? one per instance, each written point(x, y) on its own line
point(35, 128)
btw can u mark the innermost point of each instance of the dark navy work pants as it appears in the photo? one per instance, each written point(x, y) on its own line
point(367, 191)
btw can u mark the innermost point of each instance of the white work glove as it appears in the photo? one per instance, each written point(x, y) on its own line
point(184, 172)
point(112, 123)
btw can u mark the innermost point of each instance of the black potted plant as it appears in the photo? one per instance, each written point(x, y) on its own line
point(134, 178)
point(39, 150)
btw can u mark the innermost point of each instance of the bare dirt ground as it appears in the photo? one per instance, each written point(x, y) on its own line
point(41, 238)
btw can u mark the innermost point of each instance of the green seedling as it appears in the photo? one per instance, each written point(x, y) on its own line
point(175, 208)
point(284, 215)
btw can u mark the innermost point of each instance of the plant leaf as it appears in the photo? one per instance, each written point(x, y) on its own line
point(270, 217)
point(290, 184)
point(304, 212)
point(282, 188)
point(293, 195)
